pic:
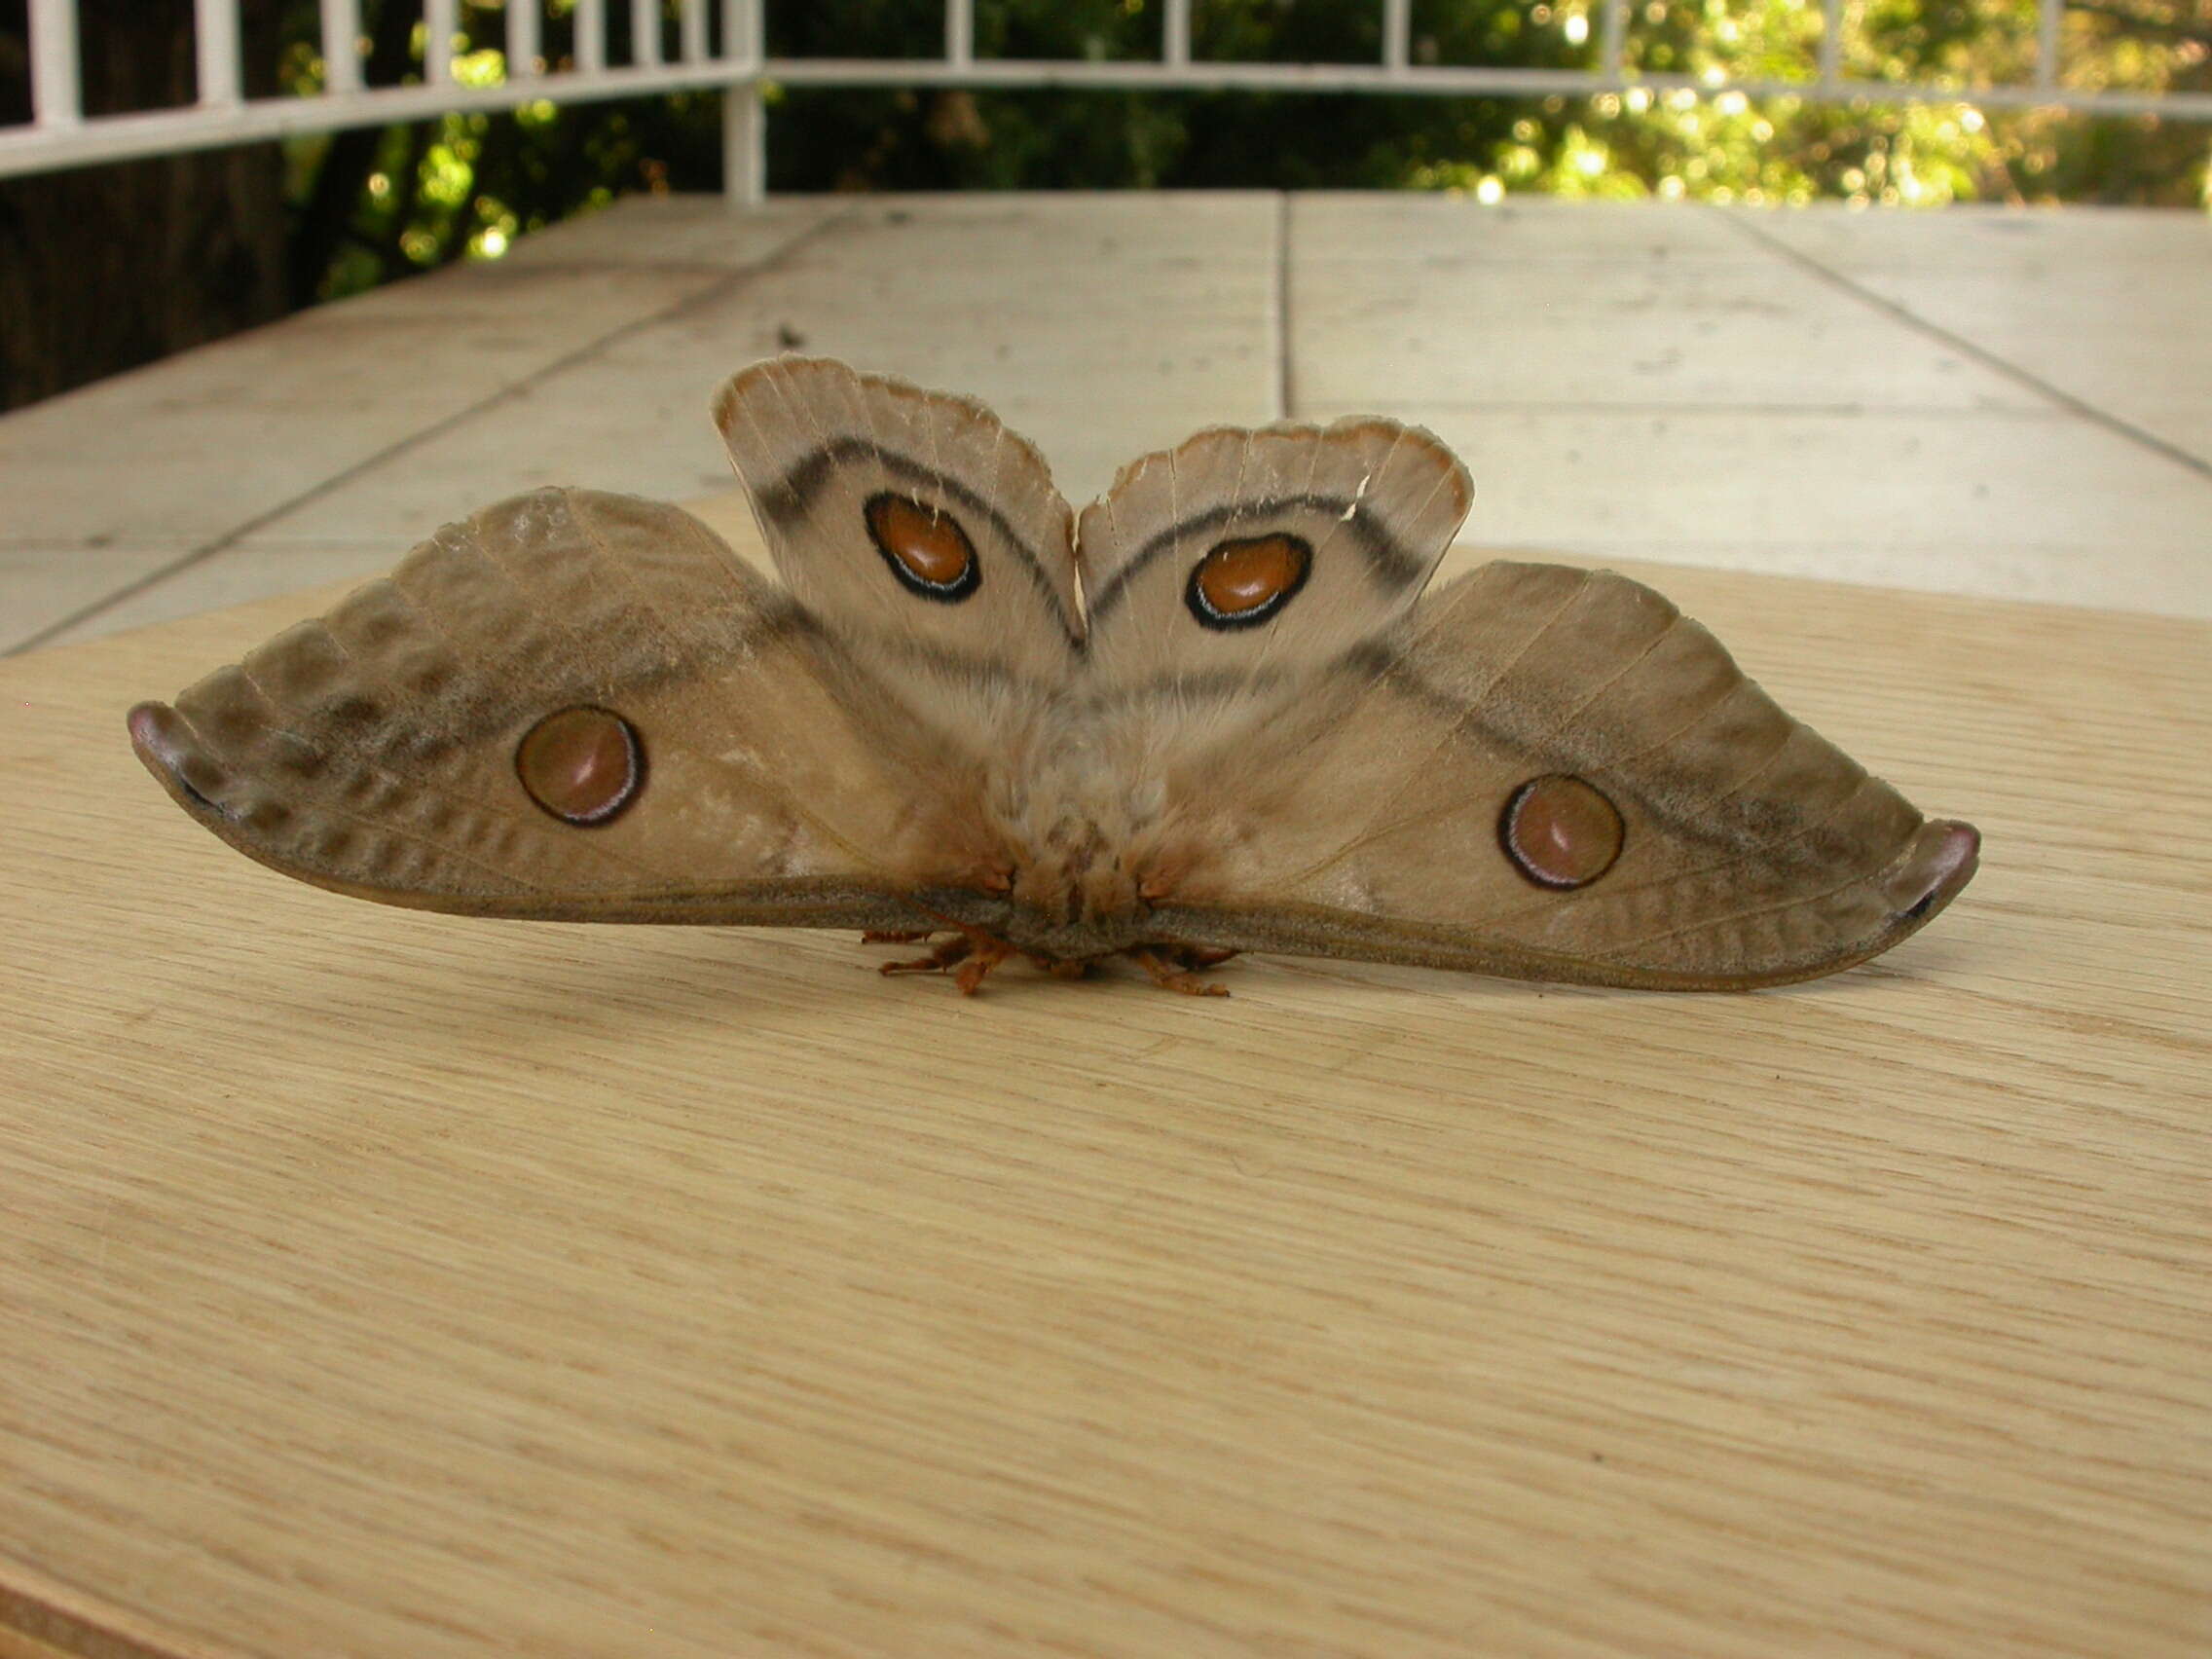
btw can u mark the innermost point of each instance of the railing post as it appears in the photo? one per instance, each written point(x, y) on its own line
point(591, 34)
point(341, 45)
point(1175, 34)
point(644, 32)
point(441, 20)
point(1612, 39)
point(691, 29)
point(56, 97)
point(959, 32)
point(745, 117)
point(525, 40)
point(2048, 13)
point(215, 35)
point(743, 41)
point(1398, 34)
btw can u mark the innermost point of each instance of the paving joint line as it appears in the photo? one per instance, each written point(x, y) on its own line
point(730, 283)
point(2119, 426)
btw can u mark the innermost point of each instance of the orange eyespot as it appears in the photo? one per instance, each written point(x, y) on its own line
point(582, 764)
point(925, 547)
point(1243, 582)
point(1560, 832)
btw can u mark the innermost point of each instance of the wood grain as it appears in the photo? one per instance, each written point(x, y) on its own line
point(382, 1285)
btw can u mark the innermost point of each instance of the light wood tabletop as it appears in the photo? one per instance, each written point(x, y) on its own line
point(378, 1284)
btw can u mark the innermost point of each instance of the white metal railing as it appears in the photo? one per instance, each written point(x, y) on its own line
point(60, 136)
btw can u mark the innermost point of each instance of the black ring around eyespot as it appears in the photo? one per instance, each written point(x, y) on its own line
point(945, 593)
point(971, 576)
point(1194, 593)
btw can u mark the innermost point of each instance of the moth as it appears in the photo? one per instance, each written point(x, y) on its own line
point(1212, 714)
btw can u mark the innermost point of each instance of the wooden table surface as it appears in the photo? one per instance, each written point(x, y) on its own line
point(377, 1283)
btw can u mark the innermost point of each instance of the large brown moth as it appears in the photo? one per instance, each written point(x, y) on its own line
point(1206, 716)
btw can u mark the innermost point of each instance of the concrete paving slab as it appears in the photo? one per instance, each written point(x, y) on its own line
point(1980, 401)
point(1525, 230)
point(2039, 507)
point(1432, 326)
point(661, 231)
point(2110, 306)
point(43, 585)
point(1968, 238)
point(233, 576)
point(195, 446)
point(1098, 334)
point(1680, 384)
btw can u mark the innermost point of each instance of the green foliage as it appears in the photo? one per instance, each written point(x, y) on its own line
point(464, 186)
point(467, 184)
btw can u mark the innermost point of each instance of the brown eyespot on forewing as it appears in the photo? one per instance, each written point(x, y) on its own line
point(1242, 582)
point(925, 547)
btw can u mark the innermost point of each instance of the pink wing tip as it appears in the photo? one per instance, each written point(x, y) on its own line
point(153, 735)
point(1953, 851)
point(148, 723)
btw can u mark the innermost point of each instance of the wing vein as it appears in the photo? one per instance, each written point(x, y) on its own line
point(1367, 831)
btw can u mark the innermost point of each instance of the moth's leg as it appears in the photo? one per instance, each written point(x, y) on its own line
point(974, 949)
point(1169, 976)
point(886, 936)
point(1062, 967)
point(942, 955)
point(988, 953)
point(1199, 957)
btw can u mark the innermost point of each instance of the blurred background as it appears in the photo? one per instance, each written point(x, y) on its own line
point(106, 266)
